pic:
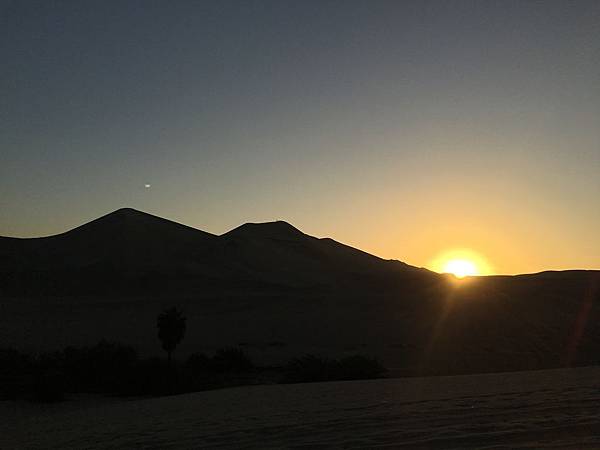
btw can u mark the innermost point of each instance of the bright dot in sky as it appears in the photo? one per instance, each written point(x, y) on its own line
point(461, 263)
point(146, 185)
point(460, 268)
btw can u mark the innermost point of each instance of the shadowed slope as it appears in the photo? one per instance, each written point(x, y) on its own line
point(284, 252)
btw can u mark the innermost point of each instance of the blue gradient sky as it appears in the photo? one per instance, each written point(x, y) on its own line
point(403, 128)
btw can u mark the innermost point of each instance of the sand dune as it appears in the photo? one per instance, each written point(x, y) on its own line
point(538, 409)
point(265, 283)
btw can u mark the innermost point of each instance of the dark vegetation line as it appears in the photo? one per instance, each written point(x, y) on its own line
point(115, 369)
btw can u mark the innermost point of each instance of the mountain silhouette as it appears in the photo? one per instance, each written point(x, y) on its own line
point(282, 253)
point(268, 230)
point(129, 247)
point(125, 244)
point(265, 282)
point(125, 237)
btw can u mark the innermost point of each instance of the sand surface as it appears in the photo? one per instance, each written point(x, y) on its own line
point(538, 409)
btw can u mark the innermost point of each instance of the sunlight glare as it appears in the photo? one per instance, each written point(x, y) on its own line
point(460, 268)
point(461, 263)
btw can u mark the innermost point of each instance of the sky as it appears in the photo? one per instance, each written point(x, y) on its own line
point(406, 129)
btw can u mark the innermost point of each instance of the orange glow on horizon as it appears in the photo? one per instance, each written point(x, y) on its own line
point(461, 268)
point(461, 263)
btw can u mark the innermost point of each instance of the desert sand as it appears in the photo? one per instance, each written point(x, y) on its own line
point(537, 409)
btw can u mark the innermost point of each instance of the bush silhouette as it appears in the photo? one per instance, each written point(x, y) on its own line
point(308, 368)
point(49, 380)
point(171, 329)
point(99, 368)
point(198, 363)
point(15, 370)
point(151, 376)
point(358, 367)
point(231, 359)
point(49, 386)
point(114, 368)
point(311, 368)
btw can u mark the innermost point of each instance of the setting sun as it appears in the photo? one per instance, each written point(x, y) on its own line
point(461, 263)
point(460, 268)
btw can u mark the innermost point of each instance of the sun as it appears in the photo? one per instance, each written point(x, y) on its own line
point(461, 263)
point(460, 268)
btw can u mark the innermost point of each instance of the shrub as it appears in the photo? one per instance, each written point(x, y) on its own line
point(310, 368)
point(198, 362)
point(231, 359)
point(99, 368)
point(358, 367)
point(152, 376)
point(15, 369)
point(48, 378)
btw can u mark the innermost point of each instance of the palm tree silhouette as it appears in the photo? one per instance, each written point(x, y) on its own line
point(171, 329)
